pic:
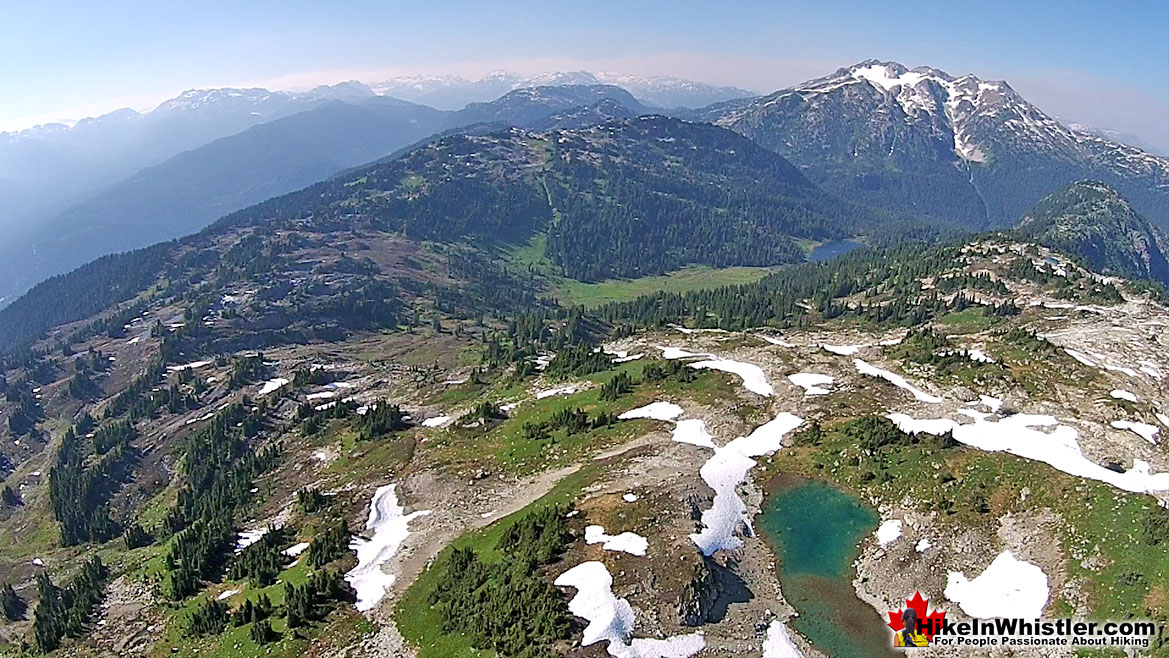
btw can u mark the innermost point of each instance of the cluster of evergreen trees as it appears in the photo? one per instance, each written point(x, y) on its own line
point(329, 544)
point(507, 606)
point(571, 421)
point(316, 597)
point(380, 419)
point(80, 487)
point(11, 605)
point(65, 611)
point(220, 466)
point(261, 562)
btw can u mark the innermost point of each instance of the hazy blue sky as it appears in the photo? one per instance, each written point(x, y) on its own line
point(1105, 63)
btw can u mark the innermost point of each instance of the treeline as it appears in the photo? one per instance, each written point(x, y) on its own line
point(879, 286)
point(81, 293)
point(508, 606)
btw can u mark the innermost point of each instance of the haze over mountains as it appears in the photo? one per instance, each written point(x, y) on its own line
point(930, 148)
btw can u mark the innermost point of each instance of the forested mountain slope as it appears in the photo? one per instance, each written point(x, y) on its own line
point(1092, 221)
point(192, 189)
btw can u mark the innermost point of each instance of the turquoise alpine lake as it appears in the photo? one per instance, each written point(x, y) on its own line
point(815, 531)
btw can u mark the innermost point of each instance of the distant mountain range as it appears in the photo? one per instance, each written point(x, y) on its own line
point(940, 151)
point(453, 92)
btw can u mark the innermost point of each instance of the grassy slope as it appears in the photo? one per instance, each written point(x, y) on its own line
point(690, 278)
point(569, 291)
point(420, 624)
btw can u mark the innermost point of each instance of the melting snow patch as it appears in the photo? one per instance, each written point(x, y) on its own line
point(249, 537)
point(1022, 435)
point(296, 549)
point(842, 350)
point(629, 498)
point(188, 366)
point(923, 545)
point(1121, 394)
point(626, 542)
point(671, 353)
point(779, 642)
point(866, 368)
point(776, 341)
point(563, 390)
point(655, 410)
point(227, 594)
point(979, 356)
point(693, 431)
point(1163, 418)
point(323, 395)
point(1143, 430)
point(812, 383)
point(611, 618)
point(754, 379)
point(724, 471)
point(387, 528)
point(1080, 356)
point(990, 402)
point(271, 385)
point(437, 421)
point(888, 532)
point(628, 358)
point(1008, 588)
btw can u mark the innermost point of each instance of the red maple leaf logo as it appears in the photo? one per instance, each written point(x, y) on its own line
point(930, 621)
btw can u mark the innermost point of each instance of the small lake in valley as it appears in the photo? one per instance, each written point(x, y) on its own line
point(830, 250)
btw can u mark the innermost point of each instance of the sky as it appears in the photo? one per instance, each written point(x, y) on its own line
point(1100, 63)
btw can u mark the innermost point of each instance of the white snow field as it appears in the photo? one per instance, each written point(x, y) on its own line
point(654, 410)
point(1008, 588)
point(979, 356)
point(776, 341)
point(888, 532)
point(1144, 430)
point(271, 385)
point(923, 545)
point(626, 542)
point(724, 471)
point(248, 537)
point(563, 390)
point(630, 498)
point(694, 432)
point(1121, 394)
point(753, 377)
point(991, 402)
point(227, 594)
point(779, 642)
point(189, 366)
point(437, 421)
point(865, 368)
point(387, 528)
point(671, 353)
point(1022, 435)
point(842, 350)
point(611, 618)
point(296, 549)
point(812, 383)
